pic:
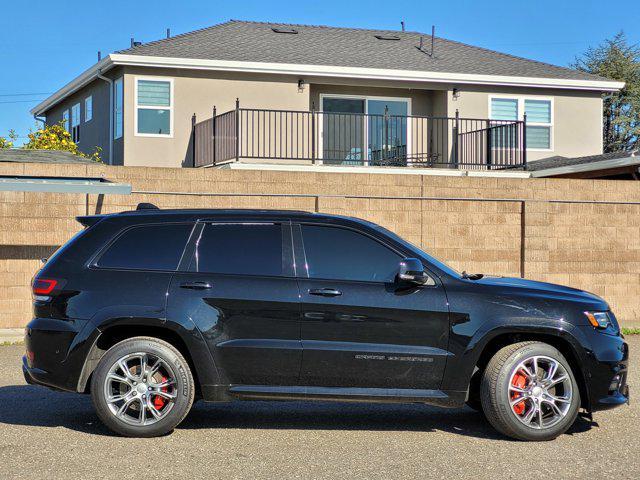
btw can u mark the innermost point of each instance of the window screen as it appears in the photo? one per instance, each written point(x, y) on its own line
point(117, 109)
point(154, 107)
point(538, 117)
point(341, 254)
point(88, 108)
point(243, 249)
point(504, 109)
point(148, 247)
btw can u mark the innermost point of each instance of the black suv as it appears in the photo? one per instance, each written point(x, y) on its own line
point(151, 309)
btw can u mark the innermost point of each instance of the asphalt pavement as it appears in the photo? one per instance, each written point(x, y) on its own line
point(47, 434)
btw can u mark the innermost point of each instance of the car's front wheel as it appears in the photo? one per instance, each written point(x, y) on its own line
point(142, 387)
point(529, 392)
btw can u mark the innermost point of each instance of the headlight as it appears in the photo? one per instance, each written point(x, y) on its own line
point(599, 319)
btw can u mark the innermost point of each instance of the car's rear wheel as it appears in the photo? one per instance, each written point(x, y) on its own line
point(529, 392)
point(142, 387)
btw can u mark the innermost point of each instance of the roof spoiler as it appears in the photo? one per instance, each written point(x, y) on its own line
point(147, 206)
point(89, 220)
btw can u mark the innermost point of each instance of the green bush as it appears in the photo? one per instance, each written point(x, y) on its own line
point(56, 137)
point(8, 142)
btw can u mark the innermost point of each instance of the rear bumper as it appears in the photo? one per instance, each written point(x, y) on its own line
point(55, 353)
point(37, 376)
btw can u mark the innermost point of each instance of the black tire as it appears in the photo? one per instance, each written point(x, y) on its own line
point(494, 392)
point(184, 386)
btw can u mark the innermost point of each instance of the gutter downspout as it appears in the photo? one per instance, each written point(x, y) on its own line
point(40, 119)
point(110, 82)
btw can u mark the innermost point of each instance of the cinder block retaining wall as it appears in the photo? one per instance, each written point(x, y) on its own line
point(582, 233)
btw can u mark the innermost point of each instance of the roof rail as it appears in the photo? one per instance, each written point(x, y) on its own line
point(147, 206)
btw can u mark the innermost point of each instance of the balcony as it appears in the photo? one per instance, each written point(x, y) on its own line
point(356, 139)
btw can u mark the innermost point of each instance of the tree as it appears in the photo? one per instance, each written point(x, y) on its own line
point(56, 137)
point(618, 60)
point(8, 143)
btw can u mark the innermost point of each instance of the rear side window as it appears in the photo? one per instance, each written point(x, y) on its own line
point(342, 254)
point(147, 247)
point(243, 249)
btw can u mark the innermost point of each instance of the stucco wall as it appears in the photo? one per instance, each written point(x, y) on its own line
point(577, 117)
point(500, 226)
point(421, 100)
point(197, 92)
point(94, 133)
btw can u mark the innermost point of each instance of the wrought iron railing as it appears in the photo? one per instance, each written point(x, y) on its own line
point(358, 139)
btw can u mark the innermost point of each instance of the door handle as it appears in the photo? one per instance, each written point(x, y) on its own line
point(325, 292)
point(196, 285)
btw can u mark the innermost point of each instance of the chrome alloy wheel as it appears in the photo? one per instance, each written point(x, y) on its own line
point(140, 389)
point(540, 392)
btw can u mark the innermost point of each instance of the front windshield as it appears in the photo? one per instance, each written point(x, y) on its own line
point(434, 261)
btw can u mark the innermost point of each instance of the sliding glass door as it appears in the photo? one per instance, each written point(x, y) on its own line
point(364, 131)
point(343, 129)
point(387, 131)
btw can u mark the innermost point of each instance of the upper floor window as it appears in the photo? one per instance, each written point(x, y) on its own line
point(88, 108)
point(154, 106)
point(539, 114)
point(539, 123)
point(65, 120)
point(75, 123)
point(117, 108)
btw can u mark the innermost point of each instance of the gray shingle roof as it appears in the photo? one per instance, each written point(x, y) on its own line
point(349, 47)
point(558, 161)
point(41, 156)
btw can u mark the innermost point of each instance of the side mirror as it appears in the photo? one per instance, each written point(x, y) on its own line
point(412, 271)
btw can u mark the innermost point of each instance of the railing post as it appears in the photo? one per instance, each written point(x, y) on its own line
point(193, 139)
point(213, 134)
point(489, 144)
point(237, 129)
point(456, 146)
point(385, 147)
point(313, 133)
point(524, 140)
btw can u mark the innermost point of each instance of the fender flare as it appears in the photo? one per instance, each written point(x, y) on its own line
point(458, 373)
point(197, 352)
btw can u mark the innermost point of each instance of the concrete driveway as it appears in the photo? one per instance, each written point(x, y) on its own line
point(46, 434)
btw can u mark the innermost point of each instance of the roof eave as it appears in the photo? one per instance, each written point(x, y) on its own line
point(631, 160)
point(320, 71)
point(74, 85)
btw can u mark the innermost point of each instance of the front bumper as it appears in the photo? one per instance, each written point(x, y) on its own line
point(606, 361)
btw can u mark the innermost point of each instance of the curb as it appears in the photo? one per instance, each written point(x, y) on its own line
point(11, 336)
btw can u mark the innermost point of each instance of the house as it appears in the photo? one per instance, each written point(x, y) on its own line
point(297, 94)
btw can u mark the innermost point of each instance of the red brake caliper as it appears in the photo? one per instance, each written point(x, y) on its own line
point(520, 381)
point(159, 401)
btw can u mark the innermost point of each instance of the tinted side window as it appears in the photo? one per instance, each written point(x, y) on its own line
point(148, 247)
point(244, 249)
point(341, 254)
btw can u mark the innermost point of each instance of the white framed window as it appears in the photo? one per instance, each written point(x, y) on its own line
point(539, 112)
point(65, 120)
point(154, 107)
point(88, 108)
point(75, 123)
point(118, 102)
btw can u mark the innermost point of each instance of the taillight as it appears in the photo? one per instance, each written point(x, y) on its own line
point(44, 288)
